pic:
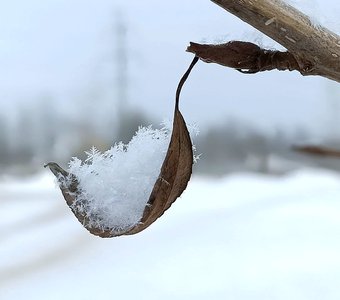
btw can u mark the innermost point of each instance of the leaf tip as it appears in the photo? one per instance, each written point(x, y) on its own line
point(56, 169)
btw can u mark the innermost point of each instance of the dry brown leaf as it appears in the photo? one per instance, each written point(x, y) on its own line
point(172, 181)
point(247, 57)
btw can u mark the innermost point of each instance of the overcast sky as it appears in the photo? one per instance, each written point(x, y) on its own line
point(67, 49)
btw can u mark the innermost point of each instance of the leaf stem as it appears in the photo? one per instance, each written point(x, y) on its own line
point(182, 81)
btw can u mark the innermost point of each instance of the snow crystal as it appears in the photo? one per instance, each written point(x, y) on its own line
point(115, 185)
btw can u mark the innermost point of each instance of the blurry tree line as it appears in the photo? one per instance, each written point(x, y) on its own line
point(43, 132)
point(238, 146)
point(46, 131)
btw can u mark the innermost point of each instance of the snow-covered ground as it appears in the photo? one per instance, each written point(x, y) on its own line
point(245, 236)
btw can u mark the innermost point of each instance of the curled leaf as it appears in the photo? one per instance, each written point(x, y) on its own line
point(174, 176)
point(248, 58)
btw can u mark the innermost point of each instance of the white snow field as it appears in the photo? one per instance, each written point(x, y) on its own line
point(244, 236)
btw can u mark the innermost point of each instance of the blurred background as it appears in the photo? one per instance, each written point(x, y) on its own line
point(82, 73)
point(79, 74)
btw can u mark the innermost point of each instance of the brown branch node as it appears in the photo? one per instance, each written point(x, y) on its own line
point(249, 58)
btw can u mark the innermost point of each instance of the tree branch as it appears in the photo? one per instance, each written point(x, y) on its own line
point(315, 48)
point(319, 151)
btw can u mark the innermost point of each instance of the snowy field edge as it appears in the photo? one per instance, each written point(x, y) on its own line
point(242, 236)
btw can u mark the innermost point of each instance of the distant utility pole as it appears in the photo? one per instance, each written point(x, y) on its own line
point(121, 64)
point(125, 120)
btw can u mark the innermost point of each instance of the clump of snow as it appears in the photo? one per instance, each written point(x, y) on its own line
point(115, 185)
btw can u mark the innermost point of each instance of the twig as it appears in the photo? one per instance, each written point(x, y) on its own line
point(319, 151)
point(315, 48)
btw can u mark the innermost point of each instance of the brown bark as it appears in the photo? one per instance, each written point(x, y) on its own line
point(315, 48)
